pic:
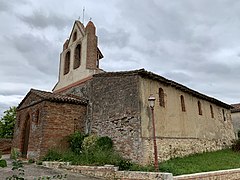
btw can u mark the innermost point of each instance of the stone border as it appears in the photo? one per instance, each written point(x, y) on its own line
point(112, 173)
point(109, 172)
point(230, 174)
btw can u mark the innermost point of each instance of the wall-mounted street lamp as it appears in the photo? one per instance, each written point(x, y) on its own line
point(151, 101)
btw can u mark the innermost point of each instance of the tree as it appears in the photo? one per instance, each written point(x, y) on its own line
point(7, 123)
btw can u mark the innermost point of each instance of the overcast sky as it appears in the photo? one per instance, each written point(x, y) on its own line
point(196, 43)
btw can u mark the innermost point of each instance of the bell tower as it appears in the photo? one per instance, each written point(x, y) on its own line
point(80, 57)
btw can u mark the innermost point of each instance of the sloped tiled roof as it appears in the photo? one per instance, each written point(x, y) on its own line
point(49, 96)
point(236, 108)
point(146, 74)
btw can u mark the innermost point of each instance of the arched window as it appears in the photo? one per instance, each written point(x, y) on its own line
point(161, 97)
point(183, 103)
point(199, 108)
point(77, 56)
point(74, 36)
point(211, 109)
point(67, 63)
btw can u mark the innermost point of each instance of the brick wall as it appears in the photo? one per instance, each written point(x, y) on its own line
point(61, 120)
point(5, 145)
point(50, 123)
point(35, 113)
point(115, 113)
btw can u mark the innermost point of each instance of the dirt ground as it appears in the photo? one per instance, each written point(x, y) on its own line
point(32, 170)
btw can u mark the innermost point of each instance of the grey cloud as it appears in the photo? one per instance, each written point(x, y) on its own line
point(40, 19)
point(178, 76)
point(7, 6)
point(38, 52)
point(119, 37)
point(4, 5)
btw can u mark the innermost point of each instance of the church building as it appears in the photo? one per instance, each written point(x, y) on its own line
point(115, 104)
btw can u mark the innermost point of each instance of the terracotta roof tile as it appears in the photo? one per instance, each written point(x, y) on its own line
point(146, 74)
point(49, 96)
point(236, 108)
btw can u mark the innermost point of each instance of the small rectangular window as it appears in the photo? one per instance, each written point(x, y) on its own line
point(183, 103)
point(224, 117)
point(161, 97)
point(199, 108)
point(211, 109)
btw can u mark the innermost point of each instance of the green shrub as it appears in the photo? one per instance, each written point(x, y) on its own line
point(124, 164)
point(14, 153)
point(236, 145)
point(104, 143)
point(52, 155)
point(3, 163)
point(75, 141)
point(89, 143)
point(30, 161)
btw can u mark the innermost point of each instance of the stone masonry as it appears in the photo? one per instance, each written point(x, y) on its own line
point(116, 113)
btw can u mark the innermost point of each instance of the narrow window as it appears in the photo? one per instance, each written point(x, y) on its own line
point(183, 103)
point(77, 56)
point(37, 116)
point(74, 36)
point(19, 120)
point(161, 97)
point(211, 109)
point(67, 63)
point(199, 108)
point(224, 117)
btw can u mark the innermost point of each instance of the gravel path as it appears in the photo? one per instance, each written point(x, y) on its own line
point(33, 170)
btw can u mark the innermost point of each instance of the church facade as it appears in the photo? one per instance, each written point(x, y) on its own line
point(115, 104)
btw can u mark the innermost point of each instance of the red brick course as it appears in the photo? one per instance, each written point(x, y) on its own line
point(5, 145)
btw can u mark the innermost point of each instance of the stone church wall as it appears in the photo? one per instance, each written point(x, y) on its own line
point(179, 132)
point(116, 112)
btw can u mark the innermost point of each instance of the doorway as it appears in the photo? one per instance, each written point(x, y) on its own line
point(26, 132)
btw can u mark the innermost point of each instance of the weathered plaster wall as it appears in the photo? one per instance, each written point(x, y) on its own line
point(185, 132)
point(116, 112)
point(236, 122)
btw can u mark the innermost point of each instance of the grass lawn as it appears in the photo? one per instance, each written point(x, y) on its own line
point(209, 161)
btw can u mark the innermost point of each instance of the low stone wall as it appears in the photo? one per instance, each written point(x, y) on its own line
point(5, 146)
point(231, 174)
point(179, 147)
point(110, 172)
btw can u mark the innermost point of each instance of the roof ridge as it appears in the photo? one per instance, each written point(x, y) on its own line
point(148, 74)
